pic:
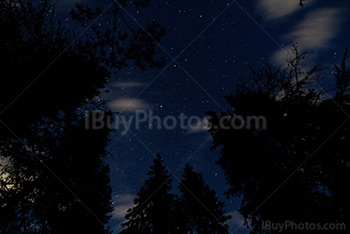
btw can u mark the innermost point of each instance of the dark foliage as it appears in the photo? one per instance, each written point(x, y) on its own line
point(153, 210)
point(53, 175)
point(156, 210)
point(34, 201)
point(202, 212)
point(306, 137)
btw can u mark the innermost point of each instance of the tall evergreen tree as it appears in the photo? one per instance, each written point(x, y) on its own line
point(154, 204)
point(202, 212)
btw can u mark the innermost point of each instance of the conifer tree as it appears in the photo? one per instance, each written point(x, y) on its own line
point(153, 210)
point(201, 208)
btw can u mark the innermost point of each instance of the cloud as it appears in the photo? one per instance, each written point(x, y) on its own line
point(313, 33)
point(237, 220)
point(128, 84)
point(281, 56)
point(273, 9)
point(123, 203)
point(317, 29)
point(128, 104)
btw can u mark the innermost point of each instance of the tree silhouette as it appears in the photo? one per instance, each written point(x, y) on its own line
point(154, 205)
point(202, 212)
point(49, 76)
point(32, 39)
point(342, 79)
point(76, 157)
point(156, 210)
point(295, 169)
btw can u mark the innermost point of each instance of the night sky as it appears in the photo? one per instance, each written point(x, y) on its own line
point(236, 35)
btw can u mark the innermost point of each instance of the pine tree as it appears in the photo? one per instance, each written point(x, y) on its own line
point(201, 209)
point(153, 210)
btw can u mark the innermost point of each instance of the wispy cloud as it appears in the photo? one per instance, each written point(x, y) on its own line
point(123, 203)
point(237, 221)
point(317, 29)
point(274, 9)
point(128, 104)
point(313, 33)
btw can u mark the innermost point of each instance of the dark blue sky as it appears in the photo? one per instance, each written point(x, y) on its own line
point(247, 33)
